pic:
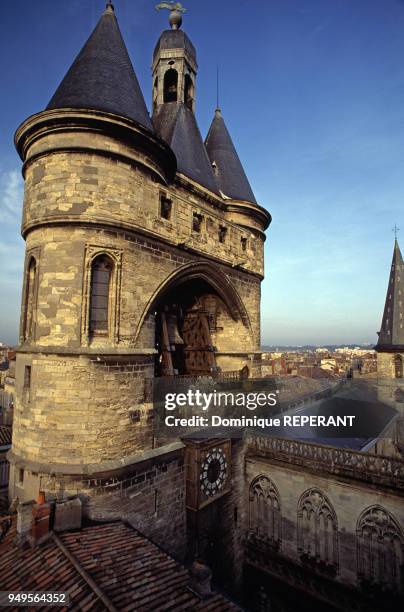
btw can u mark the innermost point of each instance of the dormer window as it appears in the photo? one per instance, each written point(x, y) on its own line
point(165, 207)
point(170, 85)
point(243, 244)
point(197, 222)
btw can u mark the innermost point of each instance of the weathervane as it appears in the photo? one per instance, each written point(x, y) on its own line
point(395, 230)
point(176, 9)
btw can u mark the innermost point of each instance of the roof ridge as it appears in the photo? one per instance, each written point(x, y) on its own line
point(84, 574)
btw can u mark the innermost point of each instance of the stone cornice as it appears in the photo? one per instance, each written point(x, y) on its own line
point(135, 136)
point(95, 469)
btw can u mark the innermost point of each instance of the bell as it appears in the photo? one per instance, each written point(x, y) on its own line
point(173, 331)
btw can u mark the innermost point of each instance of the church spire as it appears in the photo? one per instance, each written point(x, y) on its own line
point(391, 335)
point(102, 76)
point(230, 176)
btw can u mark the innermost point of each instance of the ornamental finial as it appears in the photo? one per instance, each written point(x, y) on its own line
point(176, 9)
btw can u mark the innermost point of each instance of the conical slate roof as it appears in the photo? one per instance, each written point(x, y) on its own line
point(392, 330)
point(230, 174)
point(176, 124)
point(102, 76)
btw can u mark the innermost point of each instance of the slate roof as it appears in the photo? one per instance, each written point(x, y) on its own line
point(230, 175)
point(392, 330)
point(5, 435)
point(176, 124)
point(174, 39)
point(102, 76)
point(130, 571)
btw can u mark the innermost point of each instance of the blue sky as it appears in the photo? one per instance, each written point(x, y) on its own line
point(313, 94)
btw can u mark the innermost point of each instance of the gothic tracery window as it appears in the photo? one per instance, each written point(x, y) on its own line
point(101, 270)
point(380, 548)
point(30, 295)
point(265, 510)
point(317, 530)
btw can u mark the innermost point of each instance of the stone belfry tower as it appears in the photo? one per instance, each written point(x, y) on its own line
point(390, 346)
point(141, 260)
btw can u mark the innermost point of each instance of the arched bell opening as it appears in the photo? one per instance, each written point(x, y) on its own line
point(197, 314)
point(170, 91)
point(189, 92)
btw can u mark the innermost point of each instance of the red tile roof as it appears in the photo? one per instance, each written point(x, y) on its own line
point(108, 566)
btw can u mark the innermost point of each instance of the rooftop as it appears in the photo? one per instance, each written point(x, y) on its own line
point(104, 567)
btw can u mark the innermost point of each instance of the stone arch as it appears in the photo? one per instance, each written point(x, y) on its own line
point(265, 518)
point(213, 277)
point(317, 529)
point(380, 549)
point(194, 312)
point(170, 86)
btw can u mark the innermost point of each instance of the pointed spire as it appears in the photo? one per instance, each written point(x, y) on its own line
point(391, 334)
point(102, 76)
point(230, 176)
point(176, 124)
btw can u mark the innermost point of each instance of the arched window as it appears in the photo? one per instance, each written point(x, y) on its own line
point(101, 270)
point(380, 548)
point(155, 92)
point(317, 530)
point(189, 92)
point(30, 299)
point(170, 85)
point(398, 366)
point(265, 510)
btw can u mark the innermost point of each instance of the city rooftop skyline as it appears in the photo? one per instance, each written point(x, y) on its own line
point(313, 98)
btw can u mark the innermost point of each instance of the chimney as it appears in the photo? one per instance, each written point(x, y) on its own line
point(201, 576)
point(67, 515)
point(24, 521)
point(41, 512)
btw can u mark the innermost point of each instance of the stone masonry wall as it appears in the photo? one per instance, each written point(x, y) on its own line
point(349, 500)
point(91, 187)
point(385, 364)
point(80, 411)
point(146, 264)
